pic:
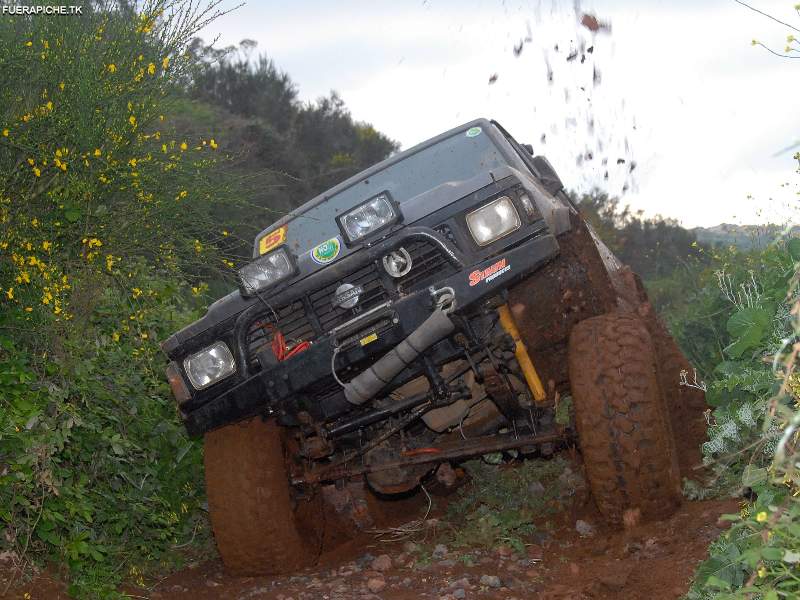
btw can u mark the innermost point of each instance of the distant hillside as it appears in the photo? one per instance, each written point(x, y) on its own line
point(743, 236)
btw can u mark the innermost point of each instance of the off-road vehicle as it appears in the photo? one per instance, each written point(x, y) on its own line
point(442, 304)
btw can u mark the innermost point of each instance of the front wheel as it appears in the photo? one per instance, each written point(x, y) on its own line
point(622, 422)
point(252, 512)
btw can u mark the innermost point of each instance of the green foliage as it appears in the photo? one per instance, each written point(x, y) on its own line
point(500, 504)
point(98, 472)
point(752, 432)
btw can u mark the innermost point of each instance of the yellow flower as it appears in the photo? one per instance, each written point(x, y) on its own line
point(225, 233)
point(112, 68)
point(151, 68)
point(31, 162)
point(136, 292)
point(5, 132)
point(144, 336)
point(28, 309)
point(49, 105)
point(98, 152)
point(213, 144)
point(762, 571)
point(132, 120)
point(132, 162)
point(165, 62)
point(56, 309)
point(183, 146)
point(761, 517)
point(164, 148)
point(10, 293)
point(37, 172)
point(61, 86)
point(115, 336)
point(46, 245)
point(29, 44)
point(183, 194)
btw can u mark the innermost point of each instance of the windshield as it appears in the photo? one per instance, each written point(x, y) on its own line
point(459, 157)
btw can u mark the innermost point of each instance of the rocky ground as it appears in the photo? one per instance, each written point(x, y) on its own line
point(572, 556)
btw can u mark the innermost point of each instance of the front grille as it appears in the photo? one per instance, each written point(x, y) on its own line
point(315, 314)
point(291, 320)
point(428, 263)
point(330, 315)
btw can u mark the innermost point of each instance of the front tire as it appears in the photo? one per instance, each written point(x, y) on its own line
point(622, 422)
point(252, 512)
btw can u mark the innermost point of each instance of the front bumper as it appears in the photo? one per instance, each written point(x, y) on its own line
point(293, 384)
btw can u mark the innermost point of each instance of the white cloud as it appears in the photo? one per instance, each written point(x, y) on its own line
point(709, 110)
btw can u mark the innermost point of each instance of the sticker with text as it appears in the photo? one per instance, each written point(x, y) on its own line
point(489, 273)
point(272, 240)
point(327, 251)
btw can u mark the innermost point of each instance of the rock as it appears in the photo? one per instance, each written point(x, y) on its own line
point(365, 560)
point(440, 551)
point(447, 564)
point(212, 583)
point(410, 547)
point(406, 582)
point(584, 529)
point(382, 563)
point(492, 581)
point(574, 569)
point(376, 584)
point(614, 580)
point(505, 551)
point(459, 593)
point(462, 583)
point(532, 573)
point(631, 518)
point(536, 489)
point(401, 559)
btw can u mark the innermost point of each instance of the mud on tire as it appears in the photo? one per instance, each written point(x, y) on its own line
point(623, 428)
point(252, 514)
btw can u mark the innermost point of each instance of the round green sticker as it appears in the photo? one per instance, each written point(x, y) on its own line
point(474, 131)
point(326, 251)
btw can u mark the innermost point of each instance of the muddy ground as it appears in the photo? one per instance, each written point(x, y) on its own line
point(647, 560)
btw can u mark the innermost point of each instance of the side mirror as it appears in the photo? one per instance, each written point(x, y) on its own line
point(547, 175)
point(528, 148)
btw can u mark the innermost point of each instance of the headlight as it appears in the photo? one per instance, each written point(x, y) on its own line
point(209, 365)
point(368, 218)
point(494, 220)
point(266, 271)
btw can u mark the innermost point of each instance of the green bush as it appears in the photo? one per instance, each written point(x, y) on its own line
point(108, 232)
point(753, 428)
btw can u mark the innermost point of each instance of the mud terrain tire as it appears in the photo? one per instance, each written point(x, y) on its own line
point(623, 428)
point(252, 514)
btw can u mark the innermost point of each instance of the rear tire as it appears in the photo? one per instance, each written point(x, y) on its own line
point(623, 428)
point(252, 512)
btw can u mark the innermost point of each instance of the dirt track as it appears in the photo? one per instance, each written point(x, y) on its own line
point(651, 561)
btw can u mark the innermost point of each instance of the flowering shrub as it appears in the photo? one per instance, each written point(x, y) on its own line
point(106, 224)
point(754, 392)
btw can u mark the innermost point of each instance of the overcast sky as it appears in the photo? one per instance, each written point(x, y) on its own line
point(675, 87)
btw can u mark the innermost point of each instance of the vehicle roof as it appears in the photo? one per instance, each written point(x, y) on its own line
point(316, 200)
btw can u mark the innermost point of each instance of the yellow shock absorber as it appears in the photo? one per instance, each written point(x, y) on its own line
point(521, 352)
